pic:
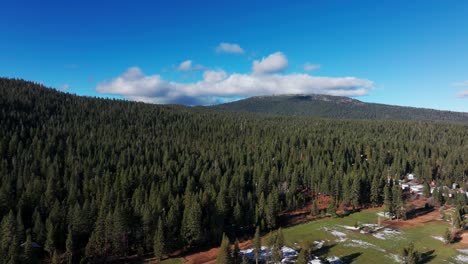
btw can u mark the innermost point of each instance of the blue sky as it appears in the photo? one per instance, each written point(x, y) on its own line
point(412, 53)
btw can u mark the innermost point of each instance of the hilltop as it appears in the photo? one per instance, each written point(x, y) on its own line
point(327, 106)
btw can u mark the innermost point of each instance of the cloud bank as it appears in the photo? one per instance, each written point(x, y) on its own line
point(218, 86)
point(231, 48)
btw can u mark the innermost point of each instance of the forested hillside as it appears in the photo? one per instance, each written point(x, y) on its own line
point(327, 106)
point(93, 178)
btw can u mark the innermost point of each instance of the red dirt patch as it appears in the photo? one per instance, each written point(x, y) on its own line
point(209, 256)
point(464, 238)
point(418, 221)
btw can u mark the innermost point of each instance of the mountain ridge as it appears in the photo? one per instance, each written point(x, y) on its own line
point(329, 106)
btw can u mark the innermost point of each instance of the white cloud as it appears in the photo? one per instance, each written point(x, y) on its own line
point(218, 86)
point(64, 86)
point(461, 84)
point(274, 63)
point(134, 83)
point(308, 67)
point(463, 94)
point(187, 66)
point(214, 76)
point(229, 48)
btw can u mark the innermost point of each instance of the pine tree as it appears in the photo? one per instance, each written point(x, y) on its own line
point(457, 218)
point(397, 202)
point(388, 201)
point(224, 252)
point(50, 238)
point(55, 257)
point(410, 255)
point(257, 243)
point(8, 235)
point(427, 190)
point(356, 192)
point(158, 240)
point(191, 224)
point(375, 192)
point(332, 207)
point(69, 246)
point(20, 233)
point(28, 249)
point(448, 237)
point(315, 209)
point(236, 253)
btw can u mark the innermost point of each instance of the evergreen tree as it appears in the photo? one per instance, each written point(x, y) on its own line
point(257, 244)
point(191, 224)
point(427, 190)
point(448, 237)
point(457, 218)
point(375, 192)
point(28, 249)
point(8, 236)
point(332, 207)
point(55, 257)
point(410, 255)
point(315, 209)
point(69, 246)
point(397, 202)
point(236, 253)
point(388, 201)
point(158, 247)
point(356, 192)
point(224, 252)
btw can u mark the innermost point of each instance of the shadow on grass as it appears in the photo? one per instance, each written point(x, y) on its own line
point(351, 257)
point(324, 250)
point(427, 256)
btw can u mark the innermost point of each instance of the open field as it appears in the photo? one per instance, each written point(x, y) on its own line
point(383, 246)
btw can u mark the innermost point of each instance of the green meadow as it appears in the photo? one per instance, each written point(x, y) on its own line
point(352, 246)
point(356, 247)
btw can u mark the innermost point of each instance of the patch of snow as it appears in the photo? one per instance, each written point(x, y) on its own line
point(319, 244)
point(341, 236)
point(247, 251)
point(439, 238)
point(363, 244)
point(379, 236)
point(350, 227)
point(394, 257)
point(334, 260)
point(461, 259)
point(386, 215)
point(463, 251)
point(387, 233)
point(315, 261)
point(289, 254)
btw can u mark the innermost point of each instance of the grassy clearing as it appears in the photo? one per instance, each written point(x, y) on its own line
point(365, 248)
point(356, 247)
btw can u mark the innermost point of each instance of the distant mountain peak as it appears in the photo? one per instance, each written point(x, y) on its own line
point(341, 107)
